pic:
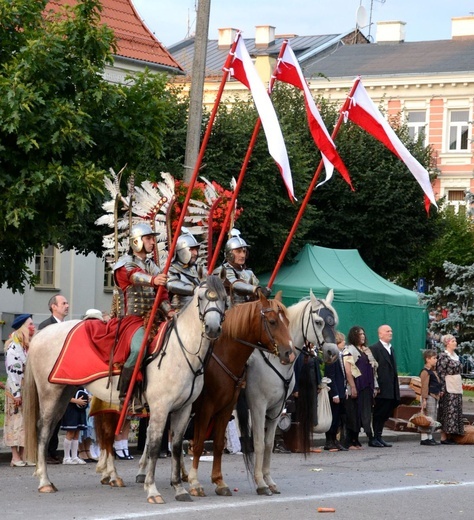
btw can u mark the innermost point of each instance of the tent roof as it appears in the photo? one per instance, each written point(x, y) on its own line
point(343, 270)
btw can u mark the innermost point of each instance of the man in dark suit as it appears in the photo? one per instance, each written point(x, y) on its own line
point(388, 397)
point(59, 308)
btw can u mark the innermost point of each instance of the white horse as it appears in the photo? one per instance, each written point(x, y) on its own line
point(269, 383)
point(174, 381)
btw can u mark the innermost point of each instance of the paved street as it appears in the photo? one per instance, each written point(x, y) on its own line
point(406, 482)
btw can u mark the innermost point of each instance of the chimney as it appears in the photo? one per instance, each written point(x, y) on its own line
point(462, 27)
point(226, 37)
point(264, 36)
point(390, 32)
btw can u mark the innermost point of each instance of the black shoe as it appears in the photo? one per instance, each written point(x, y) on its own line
point(383, 443)
point(280, 448)
point(340, 447)
point(374, 443)
point(434, 443)
point(330, 446)
point(52, 460)
point(448, 441)
point(429, 442)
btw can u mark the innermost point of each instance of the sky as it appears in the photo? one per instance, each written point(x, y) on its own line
point(172, 21)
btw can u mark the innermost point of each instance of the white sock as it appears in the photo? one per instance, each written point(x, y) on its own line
point(74, 448)
point(424, 436)
point(118, 445)
point(67, 448)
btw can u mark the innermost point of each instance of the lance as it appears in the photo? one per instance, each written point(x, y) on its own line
point(311, 187)
point(160, 290)
point(243, 169)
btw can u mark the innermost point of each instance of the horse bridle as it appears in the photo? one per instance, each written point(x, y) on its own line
point(328, 319)
point(211, 296)
point(264, 324)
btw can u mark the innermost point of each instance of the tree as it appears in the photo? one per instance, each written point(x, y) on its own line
point(457, 298)
point(62, 126)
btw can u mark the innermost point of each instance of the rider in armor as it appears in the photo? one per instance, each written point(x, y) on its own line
point(242, 285)
point(137, 278)
point(183, 277)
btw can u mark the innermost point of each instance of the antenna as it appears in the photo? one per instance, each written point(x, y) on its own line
point(369, 37)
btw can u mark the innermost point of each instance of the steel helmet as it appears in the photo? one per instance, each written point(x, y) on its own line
point(136, 233)
point(185, 241)
point(235, 242)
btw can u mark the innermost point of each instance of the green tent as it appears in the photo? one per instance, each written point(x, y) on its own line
point(361, 297)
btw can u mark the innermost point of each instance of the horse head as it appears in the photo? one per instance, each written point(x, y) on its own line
point(212, 303)
point(322, 322)
point(275, 323)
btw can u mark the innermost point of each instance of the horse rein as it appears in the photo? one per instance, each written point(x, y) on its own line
point(211, 296)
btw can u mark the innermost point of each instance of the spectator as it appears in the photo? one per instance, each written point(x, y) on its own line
point(430, 393)
point(337, 394)
point(449, 369)
point(360, 368)
point(59, 308)
point(74, 420)
point(388, 396)
point(16, 352)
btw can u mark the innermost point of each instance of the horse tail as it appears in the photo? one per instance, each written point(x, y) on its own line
point(306, 407)
point(30, 407)
point(105, 425)
point(246, 440)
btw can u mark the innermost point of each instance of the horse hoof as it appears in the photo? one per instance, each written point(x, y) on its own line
point(183, 497)
point(117, 483)
point(140, 479)
point(50, 488)
point(197, 492)
point(158, 499)
point(265, 491)
point(274, 490)
point(105, 481)
point(224, 492)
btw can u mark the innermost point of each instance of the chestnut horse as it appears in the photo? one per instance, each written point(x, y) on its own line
point(256, 325)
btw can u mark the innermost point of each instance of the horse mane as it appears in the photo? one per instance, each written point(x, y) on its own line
point(241, 316)
point(214, 283)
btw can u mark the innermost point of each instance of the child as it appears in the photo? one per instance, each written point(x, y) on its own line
point(430, 394)
point(73, 421)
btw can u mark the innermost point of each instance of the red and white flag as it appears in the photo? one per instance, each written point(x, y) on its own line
point(243, 70)
point(289, 71)
point(362, 111)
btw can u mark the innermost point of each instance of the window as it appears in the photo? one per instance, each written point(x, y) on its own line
point(108, 278)
point(456, 201)
point(44, 267)
point(458, 130)
point(416, 122)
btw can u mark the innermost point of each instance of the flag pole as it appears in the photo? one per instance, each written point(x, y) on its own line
point(311, 187)
point(243, 169)
point(159, 293)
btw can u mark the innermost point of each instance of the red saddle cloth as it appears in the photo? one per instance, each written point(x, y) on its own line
point(85, 355)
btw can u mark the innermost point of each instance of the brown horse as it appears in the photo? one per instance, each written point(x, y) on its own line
point(263, 325)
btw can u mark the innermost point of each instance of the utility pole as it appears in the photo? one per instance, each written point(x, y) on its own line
point(197, 88)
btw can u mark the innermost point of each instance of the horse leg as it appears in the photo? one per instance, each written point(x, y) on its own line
point(155, 431)
point(179, 421)
point(51, 410)
point(220, 425)
point(140, 477)
point(202, 420)
point(269, 441)
point(259, 443)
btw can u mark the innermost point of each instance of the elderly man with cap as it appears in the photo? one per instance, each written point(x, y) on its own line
point(241, 284)
point(183, 277)
point(16, 351)
point(137, 278)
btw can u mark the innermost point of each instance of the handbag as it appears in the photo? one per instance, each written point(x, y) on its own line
point(324, 409)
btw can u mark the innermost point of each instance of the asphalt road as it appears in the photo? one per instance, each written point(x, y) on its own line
point(407, 481)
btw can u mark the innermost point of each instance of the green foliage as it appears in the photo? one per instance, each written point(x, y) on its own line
point(62, 126)
point(457, 297)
